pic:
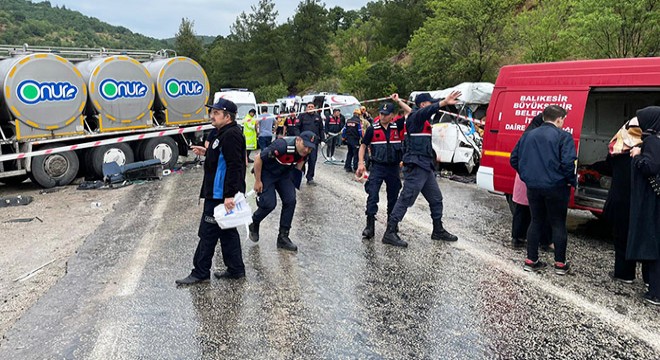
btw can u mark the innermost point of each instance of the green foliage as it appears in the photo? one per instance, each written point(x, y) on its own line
point(542, 32)
point(309, 36)
point(466, 40)
point(186, 42)
point(22, 21)
point(614, 29)
point(386, 46)
point(270, 93)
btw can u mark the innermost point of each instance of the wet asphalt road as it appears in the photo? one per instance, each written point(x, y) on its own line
point(339, 296)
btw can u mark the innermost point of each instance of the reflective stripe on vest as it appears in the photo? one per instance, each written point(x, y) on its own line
point(289, 158)
point(419, 143)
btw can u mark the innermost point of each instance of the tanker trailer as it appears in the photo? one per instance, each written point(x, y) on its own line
point(121, 95)
point(41, 97)
point(182, 91)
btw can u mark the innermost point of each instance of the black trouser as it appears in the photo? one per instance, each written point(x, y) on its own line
point(379, 173)
point(267, 200)
point(332, 143)
point(209, 233)
point(654, 278)
point(311, 163)
point(522, 217)
point(417, 180)
point(352, 157)
point(548, 205)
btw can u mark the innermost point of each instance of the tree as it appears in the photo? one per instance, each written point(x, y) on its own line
point(615, 29)
point(543, 33)
point(310, 34)
point(186, 42)
point(465, 40)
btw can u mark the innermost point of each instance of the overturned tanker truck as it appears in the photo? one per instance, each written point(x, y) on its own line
point(55, 97)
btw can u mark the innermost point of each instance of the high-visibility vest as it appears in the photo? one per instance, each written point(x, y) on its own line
point(250, 133)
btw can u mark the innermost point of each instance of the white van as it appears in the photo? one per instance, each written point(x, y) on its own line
point(345, 103)
point(243, 98)
point(291, 103)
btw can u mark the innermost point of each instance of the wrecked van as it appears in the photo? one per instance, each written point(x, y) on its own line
point(599, 95)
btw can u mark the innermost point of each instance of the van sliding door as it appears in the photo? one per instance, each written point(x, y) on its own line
point(607, 109)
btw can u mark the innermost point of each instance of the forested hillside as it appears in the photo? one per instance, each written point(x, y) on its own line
point(385, 46)
point(405, 45)
point(22, 21)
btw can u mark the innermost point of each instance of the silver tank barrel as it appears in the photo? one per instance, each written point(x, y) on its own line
point(121, 92)
point(182, 89)
point(44, 92)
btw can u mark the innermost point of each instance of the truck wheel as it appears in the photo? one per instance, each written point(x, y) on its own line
point(52, 170)
point(163, 148)
point(120, 153)
point(13, 180)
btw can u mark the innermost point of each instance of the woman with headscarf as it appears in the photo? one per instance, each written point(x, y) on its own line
point(617, 206)
point(644, 231)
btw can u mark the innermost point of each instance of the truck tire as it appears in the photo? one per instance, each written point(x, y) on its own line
point(13, 180)
point(163, 148)
point(52, 170)
point(120, 153)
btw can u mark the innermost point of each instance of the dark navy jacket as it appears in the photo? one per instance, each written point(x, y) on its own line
point(224, 166)
point(313, 123)
point(279, 158)
point(545, 158)
point(416, 124)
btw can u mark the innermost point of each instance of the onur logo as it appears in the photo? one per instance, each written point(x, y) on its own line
point(112, 89)
point(175, 88)
point(33, 92)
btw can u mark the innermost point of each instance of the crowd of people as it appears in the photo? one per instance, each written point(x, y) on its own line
point(398, 144)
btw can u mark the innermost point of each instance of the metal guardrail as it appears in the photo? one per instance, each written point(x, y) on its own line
point(81, 54)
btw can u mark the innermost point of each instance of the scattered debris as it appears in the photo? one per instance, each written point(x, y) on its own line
point(463, 179)
point(33, 272)
point(95, 204)
point(50, 191)
point(141, 170)
point(91, 185)
point(24, 220)
point(15, 200)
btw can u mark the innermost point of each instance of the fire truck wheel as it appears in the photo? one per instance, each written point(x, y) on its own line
point(120, 153)
point(163, 148)
point(54, 169)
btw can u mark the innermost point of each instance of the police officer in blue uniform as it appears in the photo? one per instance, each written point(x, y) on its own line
point(311, 121)
point(333, 126)
point(352, 133)
point(274, 172)
point(418, 170)
point(224, 176)
point(384, 140)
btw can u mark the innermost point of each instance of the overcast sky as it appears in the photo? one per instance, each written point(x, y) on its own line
point(161, 19)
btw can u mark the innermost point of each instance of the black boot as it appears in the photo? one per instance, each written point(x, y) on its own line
point(439, 232)
point(283, 241)
point(391, 237)
point(369, 231)
point(254, 231)
point(397, 224)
